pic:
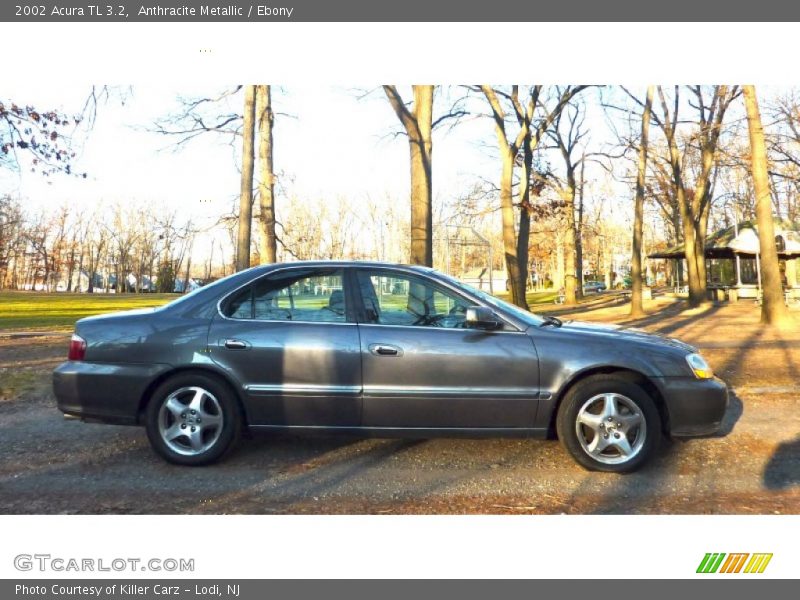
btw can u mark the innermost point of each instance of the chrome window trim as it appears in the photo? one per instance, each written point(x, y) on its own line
point(455, 329)
point(425, 391)
point(303, 388)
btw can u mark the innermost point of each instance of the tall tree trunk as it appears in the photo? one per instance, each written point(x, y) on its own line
point(515, 274)
point(107, 275)
point(418, 124)
point(579, 232)
point(697, 287)
point(71, 267)
point(700, 240)
point(559, 278)
point(92, 268)
point(188, 270)
point(523, 238)
point(524, 229)
point(570, 250)
point(268, 248)
point(422, 179)
point(773, 309)
point(78, 287)
point(637, 308)
point(246, 191)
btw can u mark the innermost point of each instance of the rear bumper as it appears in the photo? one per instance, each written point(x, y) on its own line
point(110, 393)
point(695, 407)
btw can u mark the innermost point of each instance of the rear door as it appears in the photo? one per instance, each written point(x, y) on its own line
point(422, 368)
point(291, 339)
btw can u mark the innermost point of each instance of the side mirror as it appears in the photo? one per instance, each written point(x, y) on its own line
point(480, 317)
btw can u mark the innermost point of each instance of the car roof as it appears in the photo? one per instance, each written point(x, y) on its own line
point(344, 263)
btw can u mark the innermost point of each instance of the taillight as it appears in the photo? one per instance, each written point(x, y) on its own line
point(77, 348)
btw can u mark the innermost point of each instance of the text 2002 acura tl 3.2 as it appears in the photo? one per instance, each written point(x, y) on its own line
point(380, 350)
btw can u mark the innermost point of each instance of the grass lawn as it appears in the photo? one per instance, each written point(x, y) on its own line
point(42, 311)
point(534, 298)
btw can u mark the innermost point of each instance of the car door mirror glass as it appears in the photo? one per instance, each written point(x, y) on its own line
point(481, 317)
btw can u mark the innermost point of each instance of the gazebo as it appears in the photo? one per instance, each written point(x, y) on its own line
point(733, 258)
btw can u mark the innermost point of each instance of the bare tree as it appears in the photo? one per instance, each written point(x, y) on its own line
point(44, 136)
point(11, 236)
point(418, 124)
point(533, 120)
point(95, 250)
point(571, 192)
point(773, 309)
point(266, 189)
point(661, 190)
point(695, 204)
point(199, 116)
point(638, 219)
point(246, 191)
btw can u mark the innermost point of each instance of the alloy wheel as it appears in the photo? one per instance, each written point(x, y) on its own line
point(190, 421)
point(611, 428)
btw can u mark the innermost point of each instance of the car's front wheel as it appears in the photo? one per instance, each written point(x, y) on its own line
point(609, 423)
point(192, 419)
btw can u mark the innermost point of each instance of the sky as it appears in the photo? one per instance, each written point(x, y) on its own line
point(329, 142)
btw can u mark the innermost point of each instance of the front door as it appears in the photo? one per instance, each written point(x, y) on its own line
point(422, 368)
point(289, 338)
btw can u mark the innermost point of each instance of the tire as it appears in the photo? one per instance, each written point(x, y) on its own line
point(189, 438)
point(608, 423)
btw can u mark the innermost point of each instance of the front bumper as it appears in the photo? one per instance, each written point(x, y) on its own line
point(110, 393)
point(695, 407)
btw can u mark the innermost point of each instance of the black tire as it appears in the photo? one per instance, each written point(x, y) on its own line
point(633, 405)
point(218, 403)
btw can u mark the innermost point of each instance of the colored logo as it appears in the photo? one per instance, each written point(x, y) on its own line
point(738, 562)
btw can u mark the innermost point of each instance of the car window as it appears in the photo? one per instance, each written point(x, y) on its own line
point(294, 295)
point(399, 299)
point(521, 314)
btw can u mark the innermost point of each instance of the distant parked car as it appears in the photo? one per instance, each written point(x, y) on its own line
point(383, 350)
point(593, 287)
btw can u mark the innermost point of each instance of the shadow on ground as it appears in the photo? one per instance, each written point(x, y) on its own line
point(732, 415)
point(783, 469)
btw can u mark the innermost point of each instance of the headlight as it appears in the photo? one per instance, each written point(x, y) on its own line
point(699, 366)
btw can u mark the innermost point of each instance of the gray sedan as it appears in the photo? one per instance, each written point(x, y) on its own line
point(380, 350)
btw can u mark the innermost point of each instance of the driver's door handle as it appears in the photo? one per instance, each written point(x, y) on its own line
point(385, 350)
point(235, 344)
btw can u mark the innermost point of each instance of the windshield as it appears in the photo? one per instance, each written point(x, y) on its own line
point(523, 315)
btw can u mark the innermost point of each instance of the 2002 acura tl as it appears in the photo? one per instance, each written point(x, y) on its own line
point(380, 350)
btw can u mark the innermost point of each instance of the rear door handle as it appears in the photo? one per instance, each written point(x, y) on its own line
point(385, 350)
point(235, 344)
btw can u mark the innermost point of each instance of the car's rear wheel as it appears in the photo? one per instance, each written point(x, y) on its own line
point(192, 419)
point(609, 423)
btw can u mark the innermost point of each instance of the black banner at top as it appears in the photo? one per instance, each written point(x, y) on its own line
point(399, 11)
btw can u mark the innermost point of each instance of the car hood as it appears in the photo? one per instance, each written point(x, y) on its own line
point(622, 333)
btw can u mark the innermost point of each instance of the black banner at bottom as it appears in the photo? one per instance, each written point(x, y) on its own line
point(376, 589)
